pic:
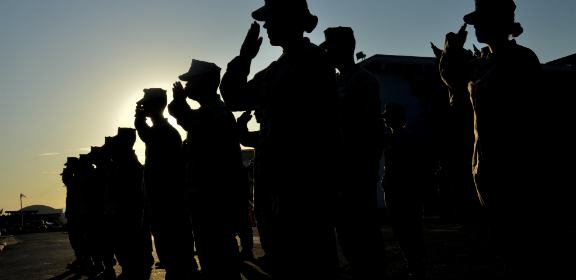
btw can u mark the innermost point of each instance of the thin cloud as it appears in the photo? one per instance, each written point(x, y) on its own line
point(49, 154)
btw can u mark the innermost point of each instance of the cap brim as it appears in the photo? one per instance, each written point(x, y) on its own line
point(472, 17)
point(184, 77)
point(262, 13)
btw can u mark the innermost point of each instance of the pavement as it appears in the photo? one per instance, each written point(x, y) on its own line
point(454, 251)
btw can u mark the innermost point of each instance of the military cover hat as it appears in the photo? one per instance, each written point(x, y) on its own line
point(151, 93)
point(338, 35)
point(126, 131)
point(295, 8)
point(71, 161)
point(198, 68)
point(95, 150)
point(393, 109)
point(83, 157)
point(108, 140)
point(491, 10)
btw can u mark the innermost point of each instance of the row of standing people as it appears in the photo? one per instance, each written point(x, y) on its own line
point(304, 109)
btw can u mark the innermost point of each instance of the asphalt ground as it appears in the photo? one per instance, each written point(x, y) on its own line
point(454, 251)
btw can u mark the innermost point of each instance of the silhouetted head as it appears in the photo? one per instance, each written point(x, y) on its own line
point(95, 155)
point(394, 115)
point(286, 20)
point(71, 163)
point(202, 79)
point(339, 44)
point(154, 102)
point(494, 20)
point(124, 141)
point(83, 163)
point(107, 149)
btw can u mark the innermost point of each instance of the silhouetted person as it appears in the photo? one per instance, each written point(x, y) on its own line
point(403, 187)
point(214, 178)
point(125, 185)
point(93, 190)
point(71, 180)
point(504, 85)
point(82, 169)
point(362, 131)
point(105, 221)
point(243, 226)
point(297, 99)
point(164, 183)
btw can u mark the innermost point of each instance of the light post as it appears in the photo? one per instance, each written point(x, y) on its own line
point(21, 213)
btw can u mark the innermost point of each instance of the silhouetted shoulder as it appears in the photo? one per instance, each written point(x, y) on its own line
point(526, 54)
point(312, 51)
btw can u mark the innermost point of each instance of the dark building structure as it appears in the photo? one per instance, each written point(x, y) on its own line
point(415, 83)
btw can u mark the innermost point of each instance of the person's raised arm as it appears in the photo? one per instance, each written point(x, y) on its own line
point(179, 108)
point(140, 123)
point(454, 72)
point(238, 93)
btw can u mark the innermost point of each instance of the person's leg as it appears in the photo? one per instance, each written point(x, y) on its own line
point(244, 231)
point(93, 244)
point(306, 223)
point(174, 240)
point(216, 235)
point(266, 222)
point(76, 240)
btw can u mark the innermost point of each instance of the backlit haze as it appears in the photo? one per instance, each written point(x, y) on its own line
point(71, 71)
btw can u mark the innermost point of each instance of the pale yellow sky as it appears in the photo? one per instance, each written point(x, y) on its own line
point(71, 71)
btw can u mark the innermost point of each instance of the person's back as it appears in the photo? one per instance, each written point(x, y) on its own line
point(213, 170)
point(164, 185)
point(362, 129)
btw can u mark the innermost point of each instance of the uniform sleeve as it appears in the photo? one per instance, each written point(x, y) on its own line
point(142, 128)
point(238, 93)
point(181, 111)
point(454, 70)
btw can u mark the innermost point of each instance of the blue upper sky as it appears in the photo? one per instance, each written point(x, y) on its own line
point(71, 71)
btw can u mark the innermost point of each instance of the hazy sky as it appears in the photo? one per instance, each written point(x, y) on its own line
point(71, 71)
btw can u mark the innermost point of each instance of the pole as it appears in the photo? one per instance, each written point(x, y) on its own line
point(21, 214)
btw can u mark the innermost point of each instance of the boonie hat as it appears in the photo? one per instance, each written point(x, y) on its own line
point(95, 151)
point(338, 35)
point(491, 9)
point(296, 8)
point(71, 161)
point(151, 93)
point(198, 68)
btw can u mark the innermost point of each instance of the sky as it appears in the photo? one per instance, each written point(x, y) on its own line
point(71, 71)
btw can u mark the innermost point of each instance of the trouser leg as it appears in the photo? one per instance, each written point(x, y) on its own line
point(76, 236)
point(106, 240)
point(147, 246)
point(215, 232)
point(92, 240)
point(513, 224)
point(408, 233)
point(127, 242)
point(266, 221)
point(306, 222)
point(406, 216)
point(174, 242)
point(357, 226)
point(244, 231)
